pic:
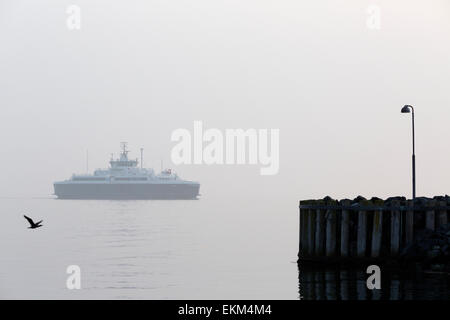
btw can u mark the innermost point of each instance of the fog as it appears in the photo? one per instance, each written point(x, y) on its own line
point(138, 70)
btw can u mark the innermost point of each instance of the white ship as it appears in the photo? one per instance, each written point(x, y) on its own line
point(125, 180)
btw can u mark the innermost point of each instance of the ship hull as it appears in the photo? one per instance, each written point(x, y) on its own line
point(118, 191)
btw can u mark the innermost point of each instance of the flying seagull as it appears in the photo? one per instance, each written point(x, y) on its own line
point(32, 224)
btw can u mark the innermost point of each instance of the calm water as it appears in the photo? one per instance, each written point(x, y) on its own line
point(202, 249)
point(211, 248)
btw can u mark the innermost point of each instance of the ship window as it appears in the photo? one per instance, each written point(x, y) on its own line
point(89, 179)
point(132, 179)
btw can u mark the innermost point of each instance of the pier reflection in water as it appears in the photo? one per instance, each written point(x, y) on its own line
point(350, 284)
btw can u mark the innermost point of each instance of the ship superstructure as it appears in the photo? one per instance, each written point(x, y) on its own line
point(124, 179)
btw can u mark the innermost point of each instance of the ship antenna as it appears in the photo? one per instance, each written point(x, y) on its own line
point(161, 165)
point(142, 157)
point(124, 148)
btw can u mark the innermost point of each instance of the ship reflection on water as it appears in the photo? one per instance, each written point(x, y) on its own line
point(350, 284)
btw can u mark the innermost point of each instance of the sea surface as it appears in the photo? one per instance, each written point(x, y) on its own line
point(212, 248)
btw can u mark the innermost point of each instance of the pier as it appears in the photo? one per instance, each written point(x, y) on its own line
point(363, 231)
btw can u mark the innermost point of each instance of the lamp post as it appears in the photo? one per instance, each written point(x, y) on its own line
point(410, 109)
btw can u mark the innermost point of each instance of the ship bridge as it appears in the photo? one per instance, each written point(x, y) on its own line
point(123, 161)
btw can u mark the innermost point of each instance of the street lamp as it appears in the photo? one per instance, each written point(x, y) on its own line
point(410, 109)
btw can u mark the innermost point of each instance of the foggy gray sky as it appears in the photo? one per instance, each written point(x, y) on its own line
point(137, 70)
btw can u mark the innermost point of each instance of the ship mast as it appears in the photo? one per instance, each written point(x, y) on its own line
point(124, 148)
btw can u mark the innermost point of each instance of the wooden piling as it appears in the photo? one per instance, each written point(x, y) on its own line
point(300, 228)
point(320, 234)
point(430, 215)
point(377, 232)
point(328, 228)
point(307, 232)
point(409, 222)
point(442, 215)
point(362, 234)
point(311, 231)
point(305, 221)
point(330, 218)
point(302, 244)
point(395, 228)
point(345, 220)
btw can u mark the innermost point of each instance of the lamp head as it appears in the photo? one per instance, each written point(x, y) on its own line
point(406, 109)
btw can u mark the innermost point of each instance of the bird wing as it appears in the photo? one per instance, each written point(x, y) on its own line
point(30, 221)
point(39, 222)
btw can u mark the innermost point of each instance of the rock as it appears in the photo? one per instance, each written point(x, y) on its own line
point(345, 201)
point(329, 201)
point(359, 199)
point(430, 248)
point(422, 201)
point(398, 198)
